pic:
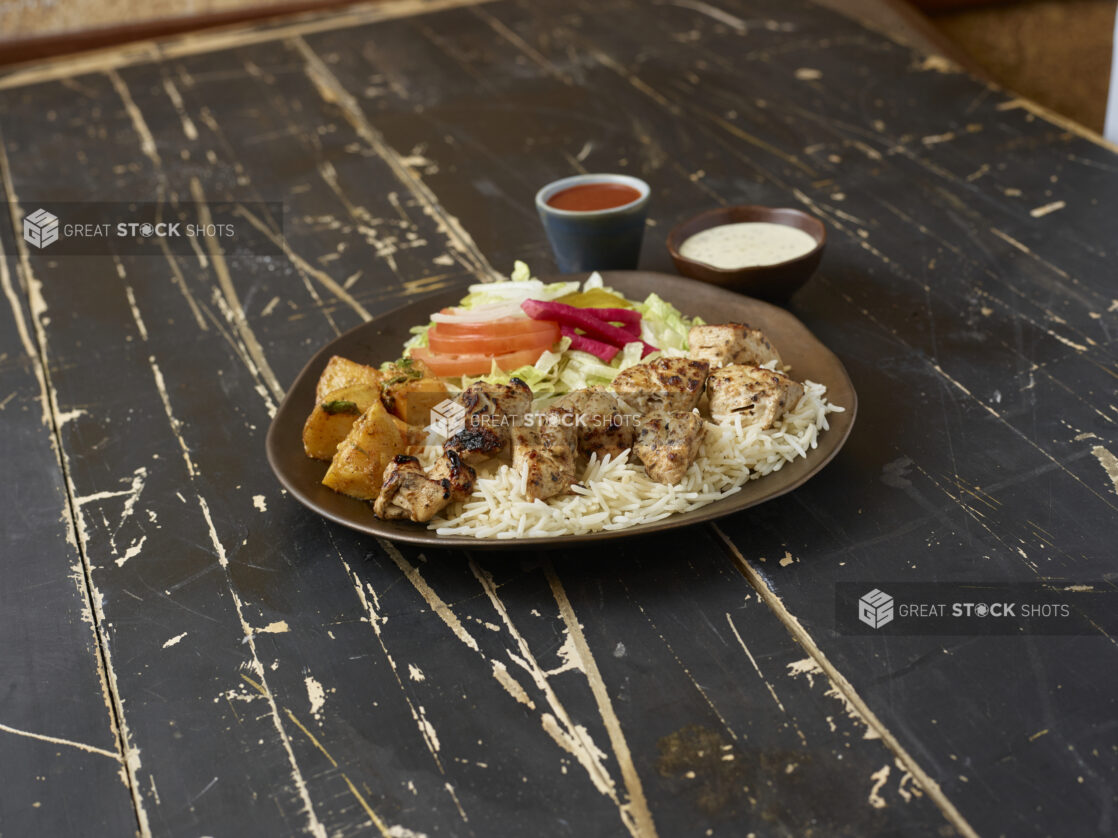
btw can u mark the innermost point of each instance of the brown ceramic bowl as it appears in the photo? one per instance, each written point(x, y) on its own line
point(775, 283)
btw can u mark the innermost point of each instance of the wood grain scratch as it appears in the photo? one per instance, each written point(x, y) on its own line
point(558, 724)
point(846, 689)
point(761, 675)
point(433, 599)
point(304, 266)
point(636, 812)
point(93, 611)
point(380, 825)
point(331, 90)
point(1109, 463)
point(314, 825)
point(525, 48)
point(188, 127)
point(180, 282)
point(147, 141)
point(262, 369)
point(424, 727)
point(56, 740)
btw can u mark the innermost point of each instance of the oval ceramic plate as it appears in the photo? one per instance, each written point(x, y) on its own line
point(380, 340)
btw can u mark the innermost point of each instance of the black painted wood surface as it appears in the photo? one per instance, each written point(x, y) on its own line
point(205, 657)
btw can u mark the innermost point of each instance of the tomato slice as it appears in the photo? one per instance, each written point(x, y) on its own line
point(449, 366)
point(501, 326)
point(490, 344)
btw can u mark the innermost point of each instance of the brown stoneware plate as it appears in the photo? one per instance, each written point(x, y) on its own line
point(380, 340)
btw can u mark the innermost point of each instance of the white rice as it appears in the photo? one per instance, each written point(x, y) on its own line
point(615, 494)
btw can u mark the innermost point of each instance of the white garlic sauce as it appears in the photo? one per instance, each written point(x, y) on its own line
point(747, 244)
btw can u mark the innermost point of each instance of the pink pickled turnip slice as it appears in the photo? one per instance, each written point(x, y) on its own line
point(626, 316)
point(581, 318)
point(582, 343)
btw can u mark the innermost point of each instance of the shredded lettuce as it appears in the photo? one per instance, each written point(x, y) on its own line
point(543, 376)
point(664, 326)
point(418, 336)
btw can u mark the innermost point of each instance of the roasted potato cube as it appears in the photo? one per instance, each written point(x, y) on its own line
point(341, 373)
point(358, 466)
point(410, 395)
point(333, 416)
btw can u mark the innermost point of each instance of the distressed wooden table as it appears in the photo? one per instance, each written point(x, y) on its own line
point(186, 651)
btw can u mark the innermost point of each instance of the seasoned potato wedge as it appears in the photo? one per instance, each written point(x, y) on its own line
point(358, 466)
point(333, 416)
point(415, 437)
point(341, 372)
point(409, 391)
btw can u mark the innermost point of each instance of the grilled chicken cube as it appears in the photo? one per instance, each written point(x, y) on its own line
point(545, 453)
point(491, 410)
point(668, 443)
point(476, 445)
point(600, 426)
point(730, 343)
point(757, 395)
point(666, 384)
point(513, 399)
point(409, 492)
point(454, 474)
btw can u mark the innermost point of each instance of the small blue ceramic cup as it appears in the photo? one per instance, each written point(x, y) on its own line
point(595, 240)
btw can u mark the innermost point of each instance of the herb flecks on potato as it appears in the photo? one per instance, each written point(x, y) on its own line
point(333, 416)
point(409, 391)
point(341, 373)
point(358, 466)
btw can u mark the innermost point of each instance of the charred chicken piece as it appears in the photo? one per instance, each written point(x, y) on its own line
point(668, 443)
point(545, 452)
point(757, 395)
point(730, 343)
point(666, 384)
point(600, 426)
point(454, 474)
point(409, 492)
point(491, 410)
point(475, 445)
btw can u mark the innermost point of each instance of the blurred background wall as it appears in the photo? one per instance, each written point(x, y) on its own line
point(1057, 52)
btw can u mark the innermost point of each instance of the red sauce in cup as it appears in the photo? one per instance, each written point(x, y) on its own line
point(589, 197)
